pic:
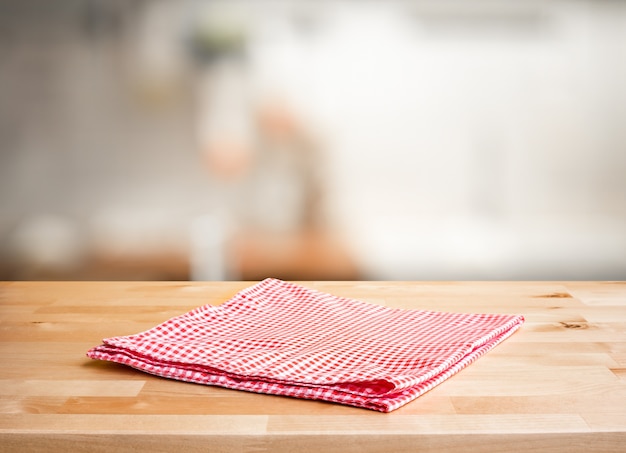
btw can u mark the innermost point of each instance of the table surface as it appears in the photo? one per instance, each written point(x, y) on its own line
point(558, 384)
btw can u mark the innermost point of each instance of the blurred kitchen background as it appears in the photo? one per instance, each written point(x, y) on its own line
point(398, 140)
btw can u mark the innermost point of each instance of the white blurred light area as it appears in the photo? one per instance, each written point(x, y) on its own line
point(455, 139)
point(469, 139)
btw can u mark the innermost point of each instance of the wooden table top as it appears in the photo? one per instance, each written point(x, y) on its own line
point(557, 384)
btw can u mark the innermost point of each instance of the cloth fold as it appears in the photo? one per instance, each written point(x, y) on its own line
point(280, 338)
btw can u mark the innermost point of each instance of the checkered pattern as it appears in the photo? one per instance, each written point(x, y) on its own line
point(281, 338)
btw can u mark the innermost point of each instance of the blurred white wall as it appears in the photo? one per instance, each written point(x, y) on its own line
point(475, 139)
point(460, 140)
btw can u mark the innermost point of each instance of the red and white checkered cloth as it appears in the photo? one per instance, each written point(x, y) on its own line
point(281, 338)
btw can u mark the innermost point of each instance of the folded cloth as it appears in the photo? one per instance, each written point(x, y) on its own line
point(280, 338)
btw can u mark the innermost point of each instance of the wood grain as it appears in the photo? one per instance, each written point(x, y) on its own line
point(558, 384)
